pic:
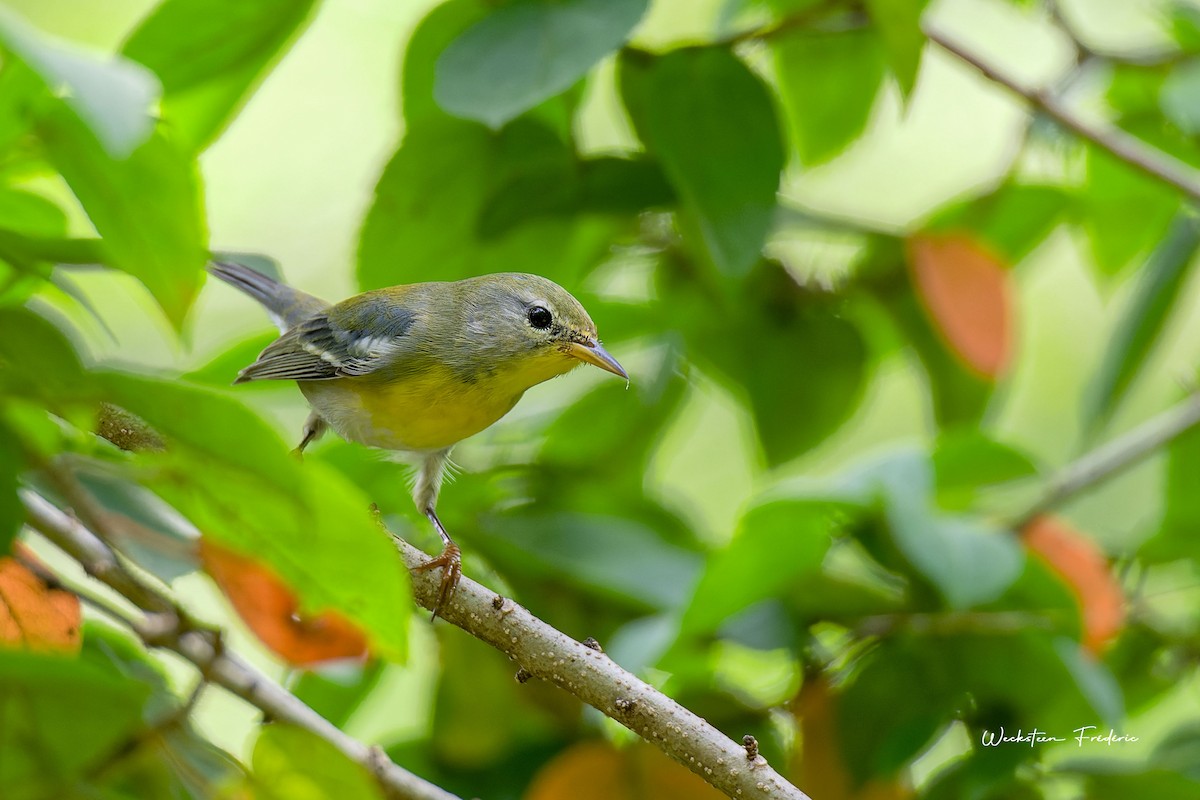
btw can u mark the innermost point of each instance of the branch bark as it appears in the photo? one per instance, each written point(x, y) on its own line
point(1130, 149)
point(165, 625)
point(543, 652)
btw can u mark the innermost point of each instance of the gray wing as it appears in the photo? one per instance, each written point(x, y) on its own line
point(320, 348)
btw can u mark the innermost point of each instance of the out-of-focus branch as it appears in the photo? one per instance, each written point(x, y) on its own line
point(1130, 149)
point(541, 651)
point(1114, 457)
point(165, 625)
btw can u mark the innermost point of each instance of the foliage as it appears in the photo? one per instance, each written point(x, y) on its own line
point(887, 605)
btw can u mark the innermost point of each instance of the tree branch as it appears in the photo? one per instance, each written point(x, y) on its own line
point(1130, 149)
point(168, 629)
point(543, 652)
point(1109, 459)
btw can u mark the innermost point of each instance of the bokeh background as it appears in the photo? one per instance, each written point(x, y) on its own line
point(766, 522)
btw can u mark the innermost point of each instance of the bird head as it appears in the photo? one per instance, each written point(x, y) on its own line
point(536, 326)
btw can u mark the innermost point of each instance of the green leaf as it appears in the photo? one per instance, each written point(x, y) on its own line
point(711, 123)
point(337, 694)
point(966, 460)
point(58, 718)
point(1012, 220)
point(31, 214)
point(223, 368)
point(146, 206)
point(211, 54)
point(139, 523)
point(113, 97)
point(1112, 189)
point(899, 23)
point(12, 514)
point(824, 353)
point(290, 763)
point(523, 53)
point(1180, 97)
point(1149, 310)
point(1176, 537)
point(425, 221)
point(614, 556)
point(967, 561)
point(618, 186)
point(776, 544)
point(36, 361)
point(232, 477)
point(828, 83)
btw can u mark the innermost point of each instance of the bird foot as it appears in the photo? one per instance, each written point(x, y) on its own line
point(451, 563)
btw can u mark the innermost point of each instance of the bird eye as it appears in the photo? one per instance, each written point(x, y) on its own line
point(540, 317)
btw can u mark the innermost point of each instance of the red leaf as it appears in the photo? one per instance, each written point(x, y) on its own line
point(599, 771)
point(1085, 570)
point(967, 292)
point(33, 615)
point(270, 608)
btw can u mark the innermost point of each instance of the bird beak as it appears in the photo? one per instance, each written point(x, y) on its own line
point(592, 353)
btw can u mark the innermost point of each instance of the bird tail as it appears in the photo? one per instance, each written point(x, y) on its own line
point(287, 306)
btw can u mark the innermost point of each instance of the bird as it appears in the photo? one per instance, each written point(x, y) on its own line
point(417, 368)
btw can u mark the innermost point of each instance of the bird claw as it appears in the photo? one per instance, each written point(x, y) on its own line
point(451, 563)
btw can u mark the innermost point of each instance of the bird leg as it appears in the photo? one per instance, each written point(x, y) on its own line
point(314, 426)
point(450, 561)
point(425, 492)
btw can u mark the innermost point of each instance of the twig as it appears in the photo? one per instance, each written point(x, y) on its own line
point(1109, 459)
point(546, 653)
point(223, 668)
point(1130, 149)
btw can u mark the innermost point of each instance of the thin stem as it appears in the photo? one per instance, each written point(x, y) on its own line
point(169, 630)
point(1130, 149)
point(1110, 459)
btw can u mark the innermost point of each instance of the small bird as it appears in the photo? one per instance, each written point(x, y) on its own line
point(419, 368)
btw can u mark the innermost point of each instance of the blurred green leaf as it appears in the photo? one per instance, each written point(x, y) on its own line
point(614, 556)
point(336, 693)
point(1176, 536)
point(1012, 220)
point(12, 513)
point(36, 361)
point(146, 206)
point(223, 368)
point(112, 97)
point(31, 214)
point(776, 544)
point(899, 23)
point(828, 85)
point(618, 186)
point(424, 223)
point(211, 54)
point(1181, 97)
point(232, 477)
point(1112, 188)
point(522, 53)
point(1094, 681)
point(896, 703)
point(965, 460)
point(711, 123)
point(1115, 781)
point(966, 560)
point(42, 698)
point(291, 763)
point(1149, 310)
point(1184, 27)
point(139, 523)
point(800, 365)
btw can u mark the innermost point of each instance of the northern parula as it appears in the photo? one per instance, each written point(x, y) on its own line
point(419, 368)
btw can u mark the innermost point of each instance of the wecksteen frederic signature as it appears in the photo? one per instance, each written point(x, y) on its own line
point(1087, 734)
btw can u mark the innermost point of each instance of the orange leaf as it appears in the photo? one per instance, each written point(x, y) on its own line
point(818, 765)
point(599, 771)
point(33, 615)
point(966, 290)
point(1085, 570)
point(270, 608)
